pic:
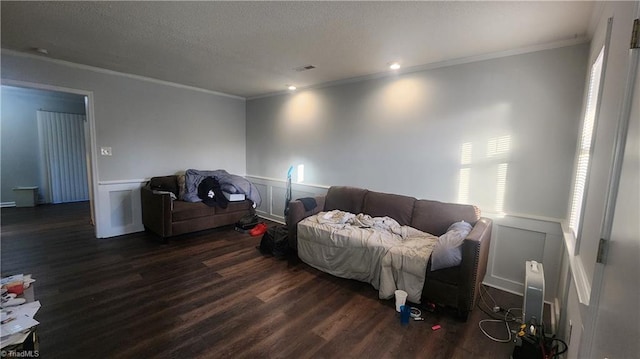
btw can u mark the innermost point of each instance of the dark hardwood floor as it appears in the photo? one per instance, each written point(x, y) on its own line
point(210, 294)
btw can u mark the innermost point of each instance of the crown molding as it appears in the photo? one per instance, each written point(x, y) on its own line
point(440, 64)
point(116, 73)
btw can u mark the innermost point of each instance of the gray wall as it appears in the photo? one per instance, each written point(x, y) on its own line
point(20, 164)
point(405, 134)
point(154, 129)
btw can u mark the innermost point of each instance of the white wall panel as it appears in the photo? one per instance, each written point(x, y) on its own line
point(263, 189)
point(120, 208)
point(273, 200)
point(515, 247)
point(277, 202)
point(515, 240)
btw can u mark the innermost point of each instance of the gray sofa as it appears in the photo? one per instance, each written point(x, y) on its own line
point(456, 287)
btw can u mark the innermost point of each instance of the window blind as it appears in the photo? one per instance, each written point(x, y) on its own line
point(585, 144)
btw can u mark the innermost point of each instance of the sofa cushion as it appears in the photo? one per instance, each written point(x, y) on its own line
point(344, 198)
point(234, 207)
point(188, 210)
point(449, 275)
point(400, 208)
point(435, 217)
point(164, 183)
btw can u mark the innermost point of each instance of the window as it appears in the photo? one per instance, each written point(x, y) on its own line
point(584, 146)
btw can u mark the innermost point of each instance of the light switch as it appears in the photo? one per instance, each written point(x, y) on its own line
point(105, 151)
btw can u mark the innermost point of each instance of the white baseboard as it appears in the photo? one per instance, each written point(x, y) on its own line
point(7, 204)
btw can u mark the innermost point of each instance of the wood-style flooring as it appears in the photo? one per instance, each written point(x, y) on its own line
point(210, 294)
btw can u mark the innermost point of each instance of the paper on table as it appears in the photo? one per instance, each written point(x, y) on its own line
point(28, 280)
point(19, 324)
point(19, 318)
point(14, 339)
point(13, 278)
point(28, 309)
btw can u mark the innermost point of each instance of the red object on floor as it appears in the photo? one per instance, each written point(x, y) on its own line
point(258, 230)
point(436, 327)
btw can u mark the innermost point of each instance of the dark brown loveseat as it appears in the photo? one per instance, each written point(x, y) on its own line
point(166, 217)
point(455, 286)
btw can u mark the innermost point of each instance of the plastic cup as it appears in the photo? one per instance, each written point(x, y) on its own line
point(401, 299)
point(405, 314)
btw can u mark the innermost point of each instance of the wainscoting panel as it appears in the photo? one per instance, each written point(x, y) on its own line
point(519, 246)
point(121, 206)
point(120, 209)
point(277, 202)
point(263, 208)
point(515, 240)
point(273, 193)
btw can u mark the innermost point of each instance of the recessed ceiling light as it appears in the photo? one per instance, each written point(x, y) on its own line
point(394, 66)
point(291, 87)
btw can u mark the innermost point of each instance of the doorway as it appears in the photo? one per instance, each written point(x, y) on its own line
point(26, 107)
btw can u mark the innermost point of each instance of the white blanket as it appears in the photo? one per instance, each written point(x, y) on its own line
point(374, 250)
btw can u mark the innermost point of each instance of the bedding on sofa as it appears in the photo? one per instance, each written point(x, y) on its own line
point(376, 250)
point(229, 183)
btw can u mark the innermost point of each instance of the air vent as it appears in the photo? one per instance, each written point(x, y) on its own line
point(304, 68)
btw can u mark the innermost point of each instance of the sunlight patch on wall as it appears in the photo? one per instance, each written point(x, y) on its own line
point(490, 169)
point(465, 172)
point(498, 146)
point(465, 153)
point(501, 186)
point(463, 187)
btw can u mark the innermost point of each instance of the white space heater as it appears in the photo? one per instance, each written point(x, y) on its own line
point(533, 293)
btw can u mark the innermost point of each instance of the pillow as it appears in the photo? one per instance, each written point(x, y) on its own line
point(448, 251)
point(229, 188)
point(182, 188)
point(164, 183)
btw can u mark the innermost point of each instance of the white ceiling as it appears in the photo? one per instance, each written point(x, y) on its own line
point(251, 48)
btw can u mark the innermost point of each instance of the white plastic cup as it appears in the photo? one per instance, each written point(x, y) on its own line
point(401, 299)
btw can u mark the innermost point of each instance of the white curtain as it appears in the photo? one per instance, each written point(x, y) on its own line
point(63, 157)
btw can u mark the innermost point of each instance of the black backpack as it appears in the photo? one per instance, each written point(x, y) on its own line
point(248, 221)
point(275, 242)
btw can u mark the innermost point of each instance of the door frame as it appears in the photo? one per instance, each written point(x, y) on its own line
point(587, 343)
point(92, 152)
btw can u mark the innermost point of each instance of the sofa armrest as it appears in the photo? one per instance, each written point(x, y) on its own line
point(475, 253)
point(296, 214)
point(156, 211)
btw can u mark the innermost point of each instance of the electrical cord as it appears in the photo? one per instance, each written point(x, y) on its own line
point(547, 347)
point(506, 322)
point(566, 347)
point(508, 317)
point(492, 310)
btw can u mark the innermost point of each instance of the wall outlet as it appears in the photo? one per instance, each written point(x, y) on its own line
point(105, 151)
